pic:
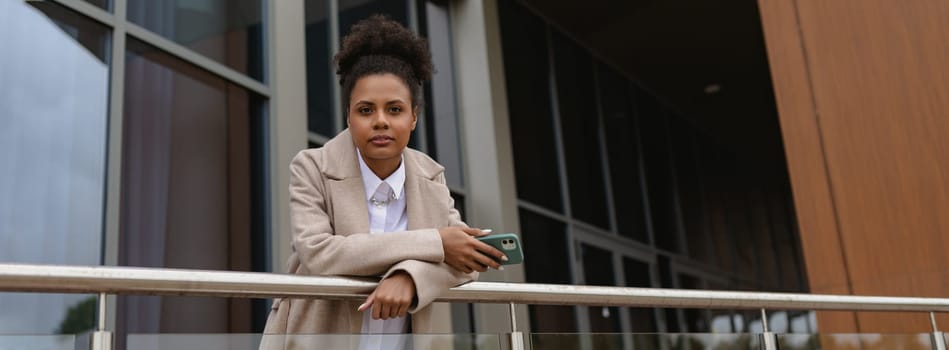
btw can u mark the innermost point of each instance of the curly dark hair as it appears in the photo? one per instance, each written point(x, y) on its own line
point(379, 45)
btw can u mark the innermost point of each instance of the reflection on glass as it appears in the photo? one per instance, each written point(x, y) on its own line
point(444, 136)
point(39, 342)
point(310, 341)
point(867, 341)
point(53, 110)
point(227, 31)
point(320, 76)
point(190, 195)
point(609, 341)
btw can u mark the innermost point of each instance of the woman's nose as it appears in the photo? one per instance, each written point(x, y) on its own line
point(380, 120)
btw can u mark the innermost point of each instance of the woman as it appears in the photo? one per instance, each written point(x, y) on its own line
point(412, 236)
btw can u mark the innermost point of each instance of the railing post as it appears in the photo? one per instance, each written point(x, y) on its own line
point(101, 338)
point(769, 340)
point(939, 339)
point(517, 338)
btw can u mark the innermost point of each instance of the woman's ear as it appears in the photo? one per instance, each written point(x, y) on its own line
point(414, 117)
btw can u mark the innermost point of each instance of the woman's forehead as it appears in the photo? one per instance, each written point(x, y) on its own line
point(376, 87)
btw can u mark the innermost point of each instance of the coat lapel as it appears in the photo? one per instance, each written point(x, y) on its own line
point(426, 207)
point(345, 186)
point(350, 213)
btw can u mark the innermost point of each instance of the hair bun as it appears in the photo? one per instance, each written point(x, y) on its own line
point(381, 36)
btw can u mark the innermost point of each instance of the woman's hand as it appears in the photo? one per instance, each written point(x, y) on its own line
point(392, 298)
point(465, 253)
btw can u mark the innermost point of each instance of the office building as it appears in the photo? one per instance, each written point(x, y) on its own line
point(762, 146)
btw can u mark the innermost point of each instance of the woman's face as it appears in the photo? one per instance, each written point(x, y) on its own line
point(381, 119)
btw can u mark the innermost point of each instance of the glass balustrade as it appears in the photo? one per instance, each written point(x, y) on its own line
point(310, 341)
point(863, 341)
point(619, 341)
point(39, 342)
point(534, 341)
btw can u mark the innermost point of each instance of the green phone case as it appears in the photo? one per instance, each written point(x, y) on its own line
point(507, 243)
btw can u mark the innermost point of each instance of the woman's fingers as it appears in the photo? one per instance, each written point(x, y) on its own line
point(490, 251)
point(403, 310)
point(474, 232)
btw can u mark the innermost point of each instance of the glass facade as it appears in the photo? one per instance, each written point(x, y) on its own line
point(192, 166)
point(614, 186)
point(634, 191)
point(189, 146)
point(227, 31)
point(53, 122)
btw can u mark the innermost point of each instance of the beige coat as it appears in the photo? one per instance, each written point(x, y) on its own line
point(330, 224)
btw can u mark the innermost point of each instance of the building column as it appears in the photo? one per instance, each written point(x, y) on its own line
point(287, 117)
point(486, 141)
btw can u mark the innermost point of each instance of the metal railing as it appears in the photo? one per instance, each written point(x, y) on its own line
point(103, 280)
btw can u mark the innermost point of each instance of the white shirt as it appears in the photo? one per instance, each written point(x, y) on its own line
point(386, 204)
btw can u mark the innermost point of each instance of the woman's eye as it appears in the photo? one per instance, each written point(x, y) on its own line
point(365, 110)
point(395, 109)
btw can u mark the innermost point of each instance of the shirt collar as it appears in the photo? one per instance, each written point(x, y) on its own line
point(371, 182)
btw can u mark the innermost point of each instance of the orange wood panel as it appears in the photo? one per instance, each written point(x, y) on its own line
point(817, 221)
point(880, 85)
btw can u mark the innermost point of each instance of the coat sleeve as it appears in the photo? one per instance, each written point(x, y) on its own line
point(322, 252)
point(432, 279)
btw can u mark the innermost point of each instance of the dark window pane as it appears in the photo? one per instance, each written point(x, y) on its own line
point(714, 180)
point(546, 239)
point(581, 135)
point(188, 191)
point(53, 120)
point(666, 281)
point(622, 144)
point(103, 4)
point(769, 275)
point(695, 320)
point(654, 123)
point(598, 271)
point(227, 31)
point(737, 221)
point(320, 75)
point(637, 274)
point(682, 137)
point(524, 39)
point(353, 11)
point(444, 135)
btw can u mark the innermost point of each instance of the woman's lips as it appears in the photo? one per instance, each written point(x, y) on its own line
point(381, 140)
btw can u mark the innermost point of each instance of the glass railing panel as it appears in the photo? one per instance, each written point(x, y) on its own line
point(39, 342)
point(618, 341)
point(310, 341)
point(863, 341)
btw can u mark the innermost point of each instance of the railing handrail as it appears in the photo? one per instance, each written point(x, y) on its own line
point(161, 281)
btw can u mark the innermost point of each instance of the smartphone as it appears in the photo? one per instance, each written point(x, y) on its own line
point(507, 243)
